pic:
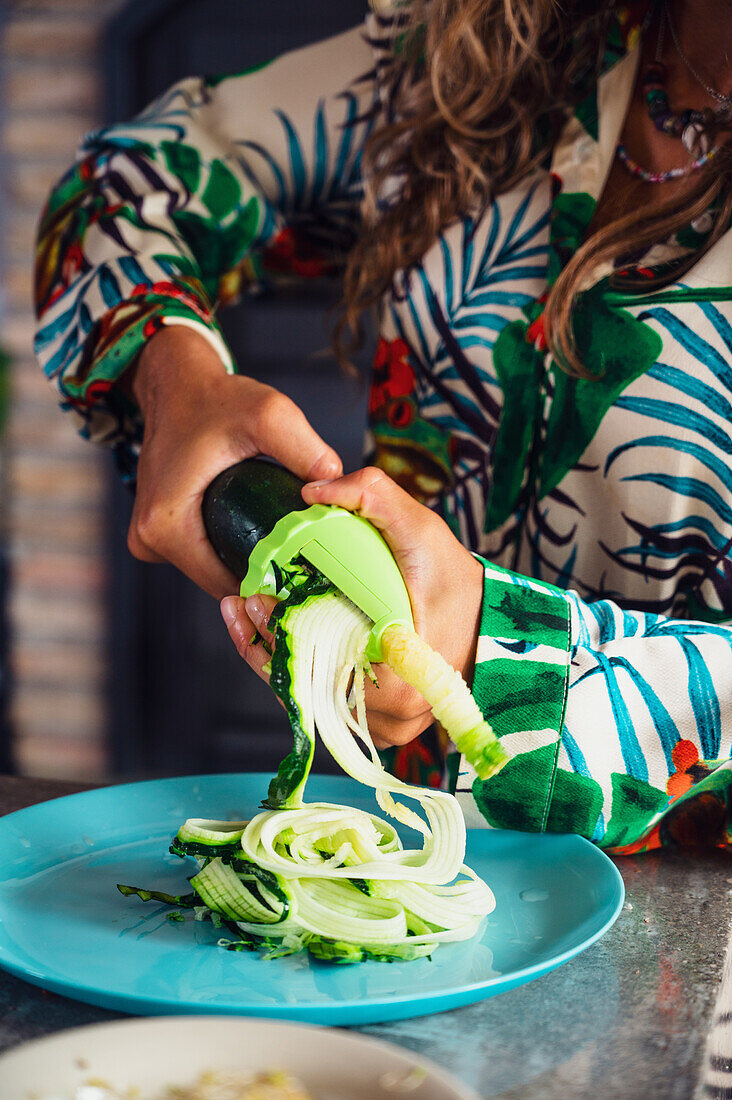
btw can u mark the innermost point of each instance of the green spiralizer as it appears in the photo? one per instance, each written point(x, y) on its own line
point(258, 523)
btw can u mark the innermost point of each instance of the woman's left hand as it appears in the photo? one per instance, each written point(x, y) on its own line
point(444, 581)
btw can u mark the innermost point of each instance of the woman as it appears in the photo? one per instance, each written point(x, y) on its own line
point(539, 200)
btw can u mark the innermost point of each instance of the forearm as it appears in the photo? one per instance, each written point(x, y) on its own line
point(174, 364)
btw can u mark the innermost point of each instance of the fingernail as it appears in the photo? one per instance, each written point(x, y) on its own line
point(228, 609)
point(319, 484)
point(255, 610)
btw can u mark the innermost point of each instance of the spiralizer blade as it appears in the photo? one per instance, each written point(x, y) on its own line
point(243, 512)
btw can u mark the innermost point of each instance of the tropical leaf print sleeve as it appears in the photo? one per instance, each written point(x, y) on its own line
point(218, 183)
point(618, 723)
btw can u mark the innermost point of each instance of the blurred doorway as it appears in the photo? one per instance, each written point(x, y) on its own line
point(181, 700)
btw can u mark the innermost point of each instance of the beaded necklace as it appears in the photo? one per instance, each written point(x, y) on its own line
point(694, 128)
point(661, 177)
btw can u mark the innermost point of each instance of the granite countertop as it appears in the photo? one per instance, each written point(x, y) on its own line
point(630, 1017)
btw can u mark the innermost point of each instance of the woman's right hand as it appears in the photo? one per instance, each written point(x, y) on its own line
point(198, 421)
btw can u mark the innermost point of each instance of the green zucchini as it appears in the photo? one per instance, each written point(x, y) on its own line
point(242, 505)
point(200, 830)
point(221, 889)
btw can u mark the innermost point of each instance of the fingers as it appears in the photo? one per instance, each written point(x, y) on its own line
point(385, 731)
point(139, 550)
point(407, 715)
point(167, 524)
point(258, 609)
point(240, 627)
point(372, 494)
point(396, 712)
point(243, 631)
point(197, 558)
point(244, 620)
point(280, 429)
point(181, 538)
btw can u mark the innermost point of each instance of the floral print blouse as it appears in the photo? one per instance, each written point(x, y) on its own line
point(602, 510)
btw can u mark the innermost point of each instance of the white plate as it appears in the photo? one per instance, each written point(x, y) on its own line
point(152, 1054)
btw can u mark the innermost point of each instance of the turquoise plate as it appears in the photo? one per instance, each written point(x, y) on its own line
point(65, 927)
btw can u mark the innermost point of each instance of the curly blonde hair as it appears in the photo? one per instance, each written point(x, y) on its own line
point(475, 93)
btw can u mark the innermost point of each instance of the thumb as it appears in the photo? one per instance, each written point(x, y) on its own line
point(289, 437)
point(401, 519)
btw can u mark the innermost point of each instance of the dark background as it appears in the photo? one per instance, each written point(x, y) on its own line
point(182, 701)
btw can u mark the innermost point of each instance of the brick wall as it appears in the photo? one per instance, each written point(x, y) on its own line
point(54, 483)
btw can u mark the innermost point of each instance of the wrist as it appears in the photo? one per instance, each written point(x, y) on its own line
point(472, 607)
point(460, 601)
point(175, 362)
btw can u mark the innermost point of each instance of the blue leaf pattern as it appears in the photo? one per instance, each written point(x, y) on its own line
point(704, 701)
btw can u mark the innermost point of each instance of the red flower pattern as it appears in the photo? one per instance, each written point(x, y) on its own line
point(393, 376)
point(536, 334)
point(414, 763)
point(685, 755)
point(292, 253)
